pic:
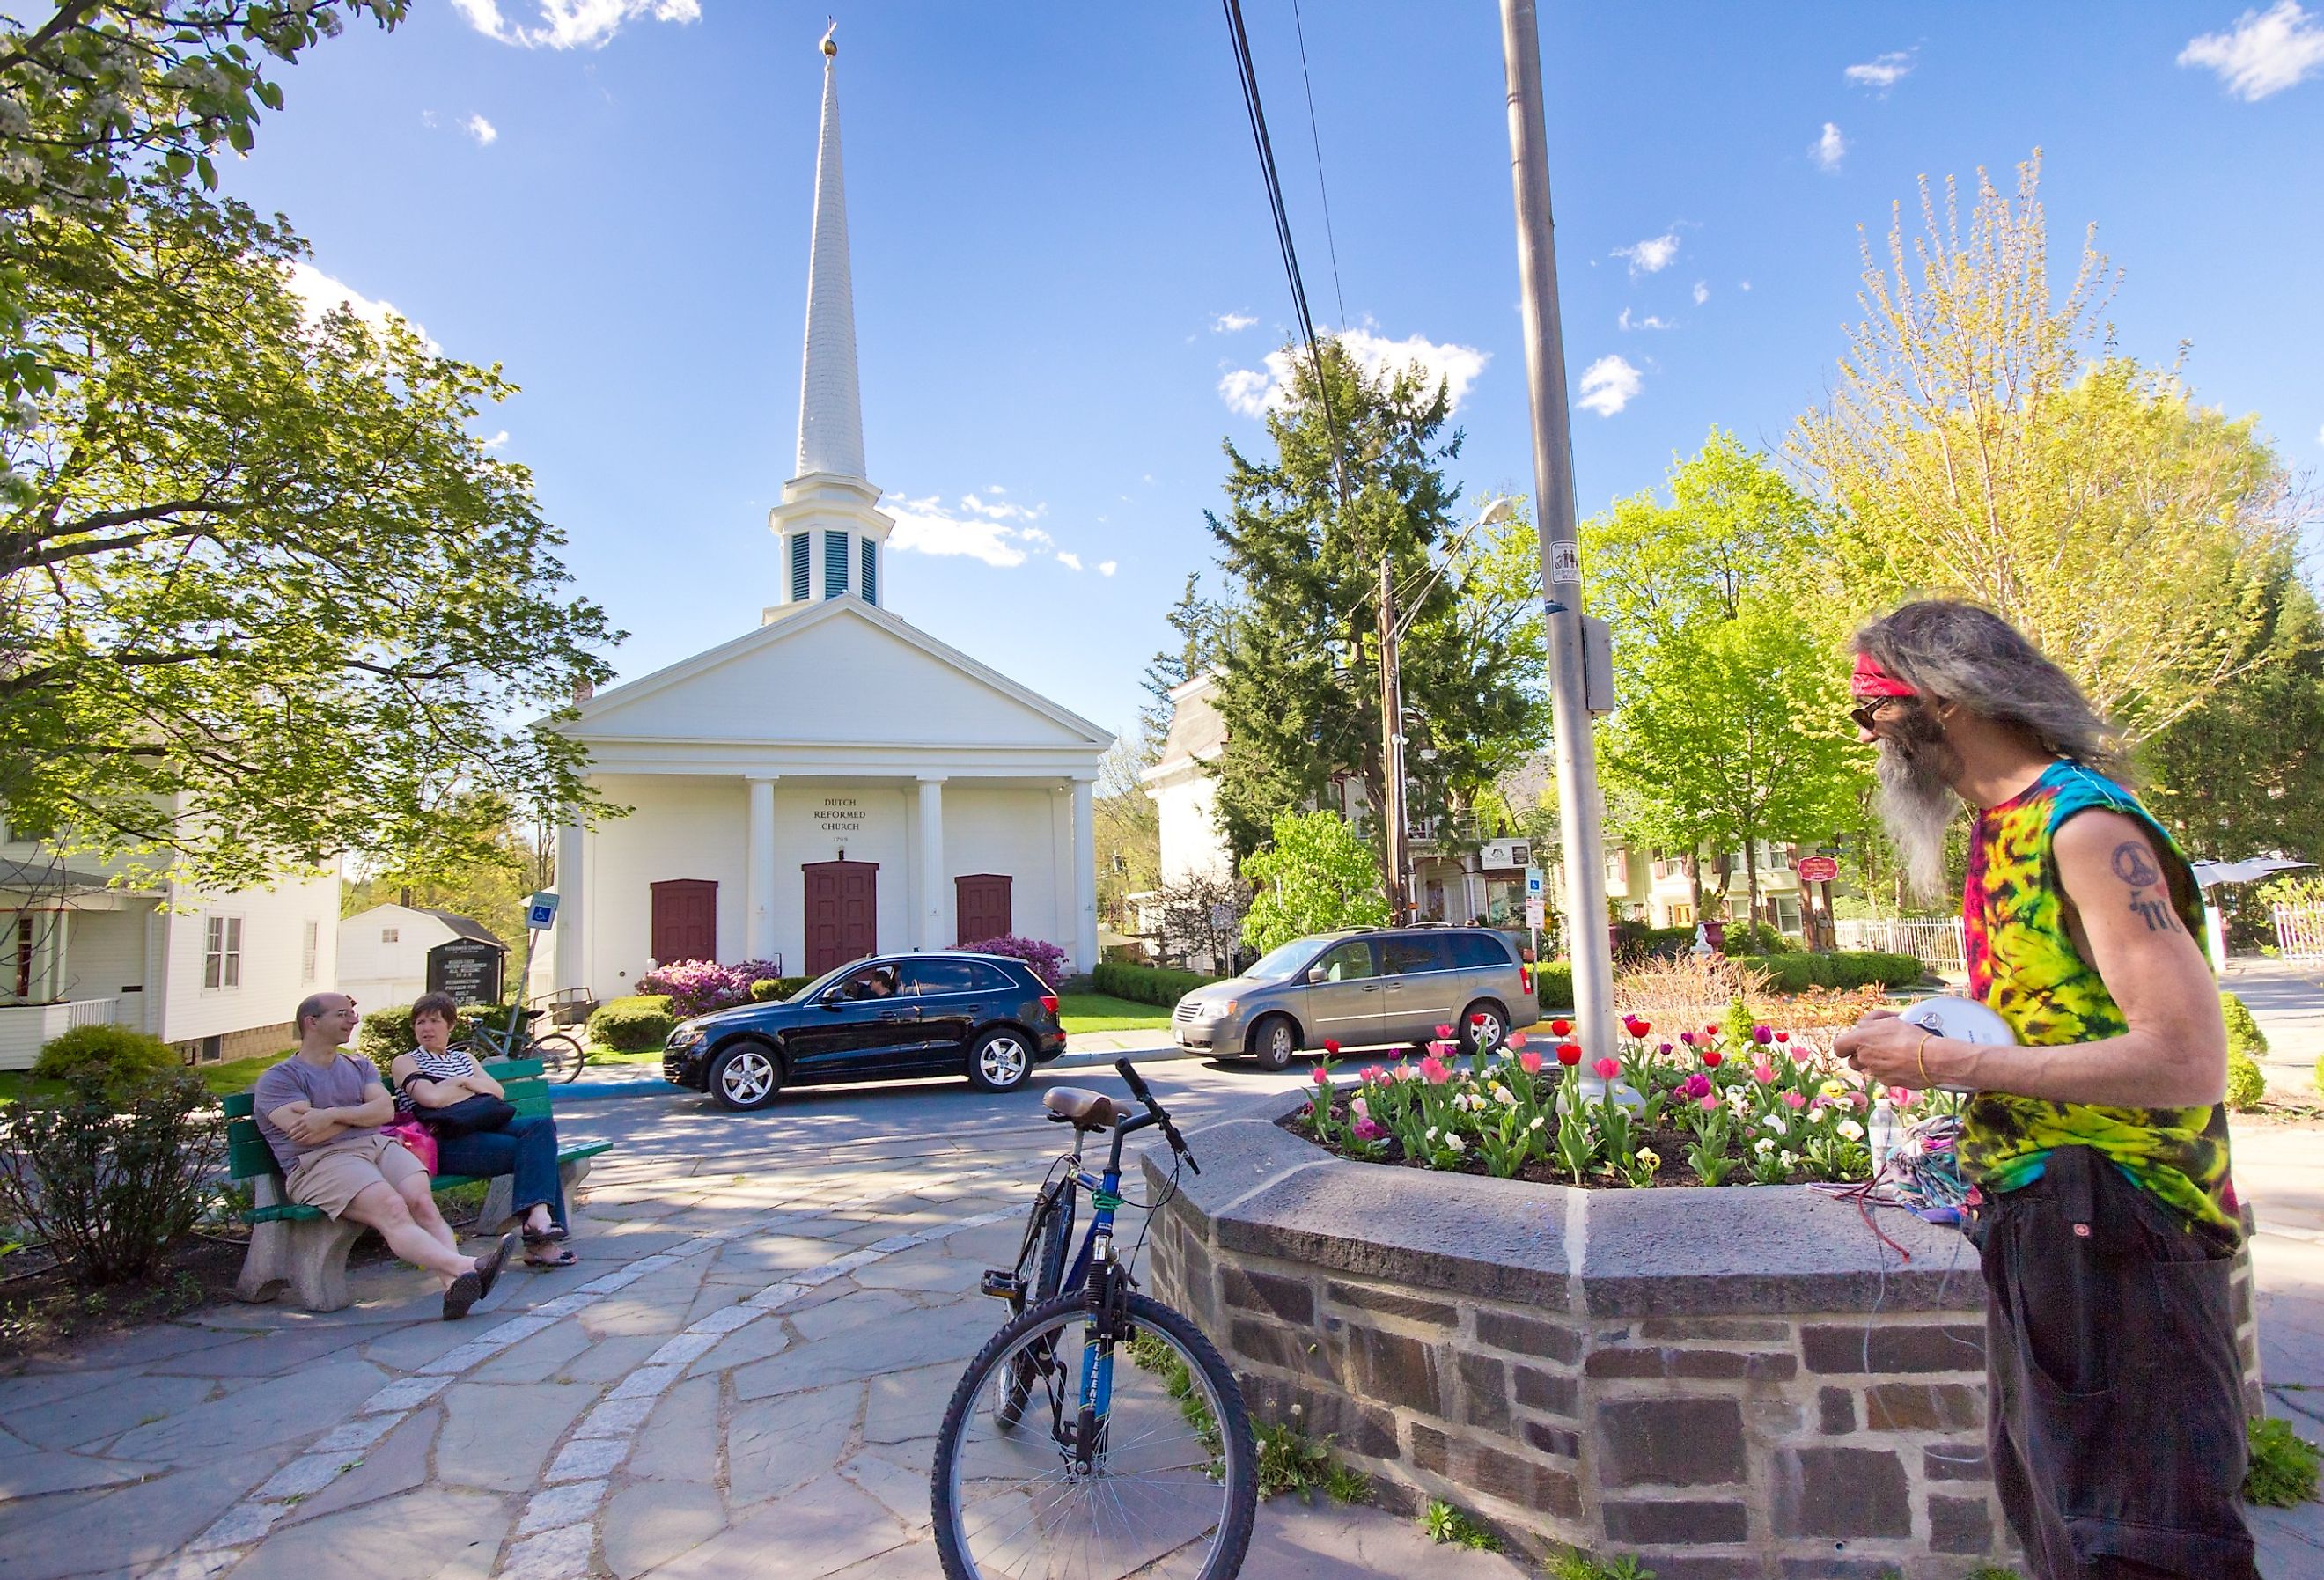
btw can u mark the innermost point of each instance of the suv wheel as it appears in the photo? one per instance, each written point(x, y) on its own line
point(1483, 1026)
point(1274, 1041)
point(1000, 1061)
point(745, 1076)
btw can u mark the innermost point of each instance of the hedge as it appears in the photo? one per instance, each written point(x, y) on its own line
point(768, 989)
point(1847, 969)
point(2247, 1083)
point(634, 1025)
point(1553, 982)
point(1147, 984)
point(2243, 1036)
point(385, 1034)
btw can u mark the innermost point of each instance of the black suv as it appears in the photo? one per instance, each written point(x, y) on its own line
point(983, 1016)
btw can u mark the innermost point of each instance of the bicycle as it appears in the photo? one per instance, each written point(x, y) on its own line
point(561, 1053)
point(1149, 1469)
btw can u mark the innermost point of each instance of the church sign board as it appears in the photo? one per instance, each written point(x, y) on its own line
point(469, 969)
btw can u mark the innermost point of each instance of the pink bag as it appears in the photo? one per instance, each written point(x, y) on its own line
point(415, 1139)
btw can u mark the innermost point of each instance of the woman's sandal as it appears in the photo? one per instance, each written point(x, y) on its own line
point(542, 1263)
point(549, 1236)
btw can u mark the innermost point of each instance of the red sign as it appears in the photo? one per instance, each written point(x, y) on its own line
point(1818, 869)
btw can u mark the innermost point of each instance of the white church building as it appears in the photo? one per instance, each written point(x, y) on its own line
point(838, 782)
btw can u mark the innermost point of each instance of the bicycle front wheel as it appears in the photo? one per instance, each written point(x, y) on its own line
point(561, 1055)
point(1168, 1490)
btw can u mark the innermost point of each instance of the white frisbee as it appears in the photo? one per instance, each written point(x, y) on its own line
point(1964, 1021)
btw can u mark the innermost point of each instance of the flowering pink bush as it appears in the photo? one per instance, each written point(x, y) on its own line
point(696, 987)
point(1048, 961)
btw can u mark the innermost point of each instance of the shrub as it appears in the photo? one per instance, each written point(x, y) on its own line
point(2247, 1083)
point(112, 1058)
point(1147, 984)
point(1635, 941)
point(2244, 1035)
point(1756, 938)
point(1796, 972)
point(386, 1035)
point(633, 1024)
point(1552, 983)
point(696, 987)
point(1048, 961)
point(767, 990)
point(110, 1182)
point(2282, 1473)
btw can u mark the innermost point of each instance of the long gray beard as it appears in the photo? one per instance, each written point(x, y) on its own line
point(1917, 805)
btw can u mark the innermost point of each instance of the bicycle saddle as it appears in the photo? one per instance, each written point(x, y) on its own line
point(1083, 1110)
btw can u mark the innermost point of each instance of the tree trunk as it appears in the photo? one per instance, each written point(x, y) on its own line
point(1752, 877)
point(1694, 878)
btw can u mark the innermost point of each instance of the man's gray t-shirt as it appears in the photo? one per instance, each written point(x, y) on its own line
point(337, 1085)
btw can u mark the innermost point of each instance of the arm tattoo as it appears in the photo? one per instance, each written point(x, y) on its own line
point(2134, 866)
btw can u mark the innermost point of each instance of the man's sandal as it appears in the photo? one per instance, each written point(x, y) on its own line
point(477, 1282)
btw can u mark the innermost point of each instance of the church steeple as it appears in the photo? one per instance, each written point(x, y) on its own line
point(831, 405)
point(833, 542)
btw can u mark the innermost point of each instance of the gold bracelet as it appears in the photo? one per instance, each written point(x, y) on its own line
point(1921, 1057)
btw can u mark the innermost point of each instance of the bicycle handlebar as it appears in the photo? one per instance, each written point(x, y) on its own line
point(1145, 1094)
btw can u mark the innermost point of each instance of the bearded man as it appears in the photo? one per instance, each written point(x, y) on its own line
point(2103, 1214)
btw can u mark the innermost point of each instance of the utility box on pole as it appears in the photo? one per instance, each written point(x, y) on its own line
point(1598, 665)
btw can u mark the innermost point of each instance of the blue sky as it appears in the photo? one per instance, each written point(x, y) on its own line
point(1063, 259)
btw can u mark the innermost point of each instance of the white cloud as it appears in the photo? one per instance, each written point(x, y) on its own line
point(1830, 149)
point(1882, 72)
point(318, 293)
point(482, 130)
point(1650, 256)
point(1232, 323)
point(2268, 51)
point(1743, 285)
point(1254, 393)
point(1702, 292)
point(977, 526)
point(1106, 567)
point(1608, 385)
point(498, 440)
point(570, 24)
point(1649, 322)
point(1070, 561)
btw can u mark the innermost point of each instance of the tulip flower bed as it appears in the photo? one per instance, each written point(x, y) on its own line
point(1708, 1106)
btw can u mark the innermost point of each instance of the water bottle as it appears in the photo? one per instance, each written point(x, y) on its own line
point(1882, 1134)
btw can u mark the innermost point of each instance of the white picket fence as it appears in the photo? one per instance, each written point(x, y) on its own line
point(2299, 932)
point(1937, 944)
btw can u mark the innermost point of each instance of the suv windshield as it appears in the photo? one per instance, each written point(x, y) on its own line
point(1281, 961)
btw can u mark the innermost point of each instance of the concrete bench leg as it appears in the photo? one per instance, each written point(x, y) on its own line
point(310, 1256)
point(499, 1196)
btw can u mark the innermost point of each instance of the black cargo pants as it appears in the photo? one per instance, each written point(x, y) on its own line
point(2114, 1411)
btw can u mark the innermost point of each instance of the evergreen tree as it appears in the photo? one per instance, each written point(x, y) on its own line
point(1200, 623)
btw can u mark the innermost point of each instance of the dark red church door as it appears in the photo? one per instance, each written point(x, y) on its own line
point(685, 920)
point(980, 906)
point(842, 908)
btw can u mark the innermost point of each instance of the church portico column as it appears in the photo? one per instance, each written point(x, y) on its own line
point(760, 870)
point(571, 939)
point(928, 928)
point(1084, 875)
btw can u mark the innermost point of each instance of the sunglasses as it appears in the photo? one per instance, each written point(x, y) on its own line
point(1868, 717)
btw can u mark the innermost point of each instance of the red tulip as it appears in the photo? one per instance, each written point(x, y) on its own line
point(1637, 1026)
point(1332, 1045)
point(1569, 1054)
point(1711, 1055)
point(1560, 1028)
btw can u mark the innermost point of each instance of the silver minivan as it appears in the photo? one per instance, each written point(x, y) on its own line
point(1380, 987)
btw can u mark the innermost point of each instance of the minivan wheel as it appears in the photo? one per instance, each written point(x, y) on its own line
point(745, 1077)
point(1484, 1025)
point(1000, 1061)
point(1273, 1042)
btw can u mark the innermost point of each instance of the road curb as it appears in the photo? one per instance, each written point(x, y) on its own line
point(655, 1086)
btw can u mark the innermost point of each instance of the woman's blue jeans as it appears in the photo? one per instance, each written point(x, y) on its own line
point(526, 1146)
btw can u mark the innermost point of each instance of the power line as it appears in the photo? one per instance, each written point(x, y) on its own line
point(1316, 138)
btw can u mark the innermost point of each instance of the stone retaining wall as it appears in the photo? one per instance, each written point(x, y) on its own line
point(1731, 1383)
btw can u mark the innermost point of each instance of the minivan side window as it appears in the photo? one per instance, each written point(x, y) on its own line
point(1478, 951)
point(1350, 962)
point(1419, 952)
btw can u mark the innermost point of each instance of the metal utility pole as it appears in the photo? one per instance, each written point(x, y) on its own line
point(1391, 746)
point(1580, 810)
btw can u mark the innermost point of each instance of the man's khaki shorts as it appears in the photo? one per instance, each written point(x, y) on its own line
point(333, 1176)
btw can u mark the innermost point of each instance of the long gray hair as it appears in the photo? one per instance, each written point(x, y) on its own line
point(1959, 653)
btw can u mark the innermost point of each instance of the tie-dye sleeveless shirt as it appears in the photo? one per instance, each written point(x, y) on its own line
point(2023, 963)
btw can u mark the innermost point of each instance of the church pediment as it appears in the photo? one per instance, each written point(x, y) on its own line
point(837, 673)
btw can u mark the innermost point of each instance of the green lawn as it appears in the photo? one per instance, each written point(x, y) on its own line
point(1098, 1012)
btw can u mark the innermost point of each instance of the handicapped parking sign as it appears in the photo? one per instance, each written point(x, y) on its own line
point(540, 911)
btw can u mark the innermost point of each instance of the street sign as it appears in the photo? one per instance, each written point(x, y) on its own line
point(1818, 869)
point(1534, 885)
point(540, 911)
point(1536, 914)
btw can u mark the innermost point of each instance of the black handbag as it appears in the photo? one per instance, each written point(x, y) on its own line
point(469, 1116)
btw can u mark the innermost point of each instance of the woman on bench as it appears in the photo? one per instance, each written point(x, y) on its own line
point(433, 1078)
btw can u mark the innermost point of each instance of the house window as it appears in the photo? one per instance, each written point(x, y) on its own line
point(799, 562)
point(310, 943)
point(835, 564)
point(1682, 915)
point(221, 952)
point(26, 951)
point(390, 935)
point(870, 571)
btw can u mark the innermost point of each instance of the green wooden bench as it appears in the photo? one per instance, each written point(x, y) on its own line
point(304, 1249)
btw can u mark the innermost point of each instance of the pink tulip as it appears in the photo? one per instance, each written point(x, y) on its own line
point(1792, 1099)
point(1530, 1063)
point(1433, 1071)
point(1322, 1077)
point(1373, 1074)
point(1514, 1041)
point(1361, 1109)
point(1765, 1074)
point(1607, 1068)
point(1707, 1105)
point(1444, 1031)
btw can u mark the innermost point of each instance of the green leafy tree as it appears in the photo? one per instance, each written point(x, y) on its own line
point(1732, 727)
point(1984, 440)
point(1299, 669)
point(1128, 829)
point(1316, 875)
point(263, 597)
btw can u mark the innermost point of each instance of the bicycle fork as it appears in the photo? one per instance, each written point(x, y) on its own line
point(1108, 1322)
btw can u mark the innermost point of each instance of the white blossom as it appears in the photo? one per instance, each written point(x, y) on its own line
point(1851, 1131)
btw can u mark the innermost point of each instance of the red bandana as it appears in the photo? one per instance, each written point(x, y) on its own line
point(1870, 680)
